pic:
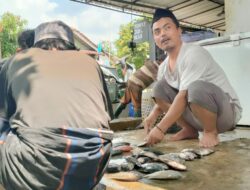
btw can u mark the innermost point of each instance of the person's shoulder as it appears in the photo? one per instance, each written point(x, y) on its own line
point(190, 47)
point(194, 50)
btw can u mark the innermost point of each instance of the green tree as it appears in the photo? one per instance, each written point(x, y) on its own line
point(11, 25)
point(140, 52)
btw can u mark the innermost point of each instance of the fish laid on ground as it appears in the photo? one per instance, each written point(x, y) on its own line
point(200, 152)
point(148, 154)
point(133, 160)
point(204, 151)
point(153, 167)
point(125, 176)
point(188, 156)
point(143, 160)
point(173, 164)
point(116, 152)
point(172, 156)
point(157, 152)
point(116, 144)
point(124, 148)
point(122, 163)
point(113, 168)
point(166, 174)
point(143, 144)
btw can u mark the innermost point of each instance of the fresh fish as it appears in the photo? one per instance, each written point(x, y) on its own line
point(116, 144)
point(124, 148)
point(125, 176)
point(188, 150)
point(127, 166)
point(133, 160)
point(136, 151)
point(166, 174)
point(172, 156)
point(143, 160)
point(148, 154)
point(204, 151)
point(200, 152)
point(173, 164)
point(113, 168)
point(143, 144)
point(188, 156)
point(157, 152)
point(116, 152)
point(153, 167)
point(123, 163)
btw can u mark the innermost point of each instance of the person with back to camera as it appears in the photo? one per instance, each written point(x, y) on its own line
point(194, 91)
point(55, 118)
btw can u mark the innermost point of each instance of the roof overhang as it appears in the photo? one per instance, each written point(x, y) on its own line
point(200, 14)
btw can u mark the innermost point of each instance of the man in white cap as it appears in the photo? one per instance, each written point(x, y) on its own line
point(194, 92)
point(55, 118)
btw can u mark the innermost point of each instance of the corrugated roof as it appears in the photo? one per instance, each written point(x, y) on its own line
point(202, 14)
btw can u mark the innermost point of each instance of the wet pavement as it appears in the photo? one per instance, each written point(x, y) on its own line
point(227, 169)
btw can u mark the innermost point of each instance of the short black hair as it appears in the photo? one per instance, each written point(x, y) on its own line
point(26, 39)
point(160, 13)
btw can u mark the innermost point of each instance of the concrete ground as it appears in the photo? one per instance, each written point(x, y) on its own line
point(227, 169)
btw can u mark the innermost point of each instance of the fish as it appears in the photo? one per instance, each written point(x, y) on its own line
point(127, 166)
point(137, 152)
point(143, 160)
point(113, 168)
point(149, 149)
point(148, 154)
point(172, 156)
point(204, 151)
point(188, 156)
point(133, 160)
point(122, 163)
point(124, 148)
point(153, 167)
point(173, 164)
point(143, 144)
point(116, 152)
point(200, 152)
point(165, 174)
point(121, 143)
point(125, 176)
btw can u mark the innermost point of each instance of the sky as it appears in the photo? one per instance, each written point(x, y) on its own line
point(97, 24)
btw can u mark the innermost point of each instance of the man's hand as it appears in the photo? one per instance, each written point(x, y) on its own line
point(155, 136)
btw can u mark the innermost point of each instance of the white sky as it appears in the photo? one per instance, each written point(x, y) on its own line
point(96, 23)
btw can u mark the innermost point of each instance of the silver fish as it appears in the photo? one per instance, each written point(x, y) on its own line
point(166, 174)
point(148, 154)
point(113, 168)
point(143, 144)
point(122, 162)
point(200, 152)
point(153, 167)
point(204, 151)
point(173, 157)
point(143, 160)
point(133, 160)
point(125, 176)
point(189, 156)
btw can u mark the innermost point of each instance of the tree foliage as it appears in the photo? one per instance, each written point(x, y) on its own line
point(10, 26)
point(141, 51)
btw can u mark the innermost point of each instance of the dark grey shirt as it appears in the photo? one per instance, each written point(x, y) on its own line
point(40, 88)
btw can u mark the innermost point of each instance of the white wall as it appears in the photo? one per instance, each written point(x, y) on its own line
point(237, 13)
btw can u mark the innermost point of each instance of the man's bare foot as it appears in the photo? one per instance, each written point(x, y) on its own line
point(185, 133)
point(209, 139)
